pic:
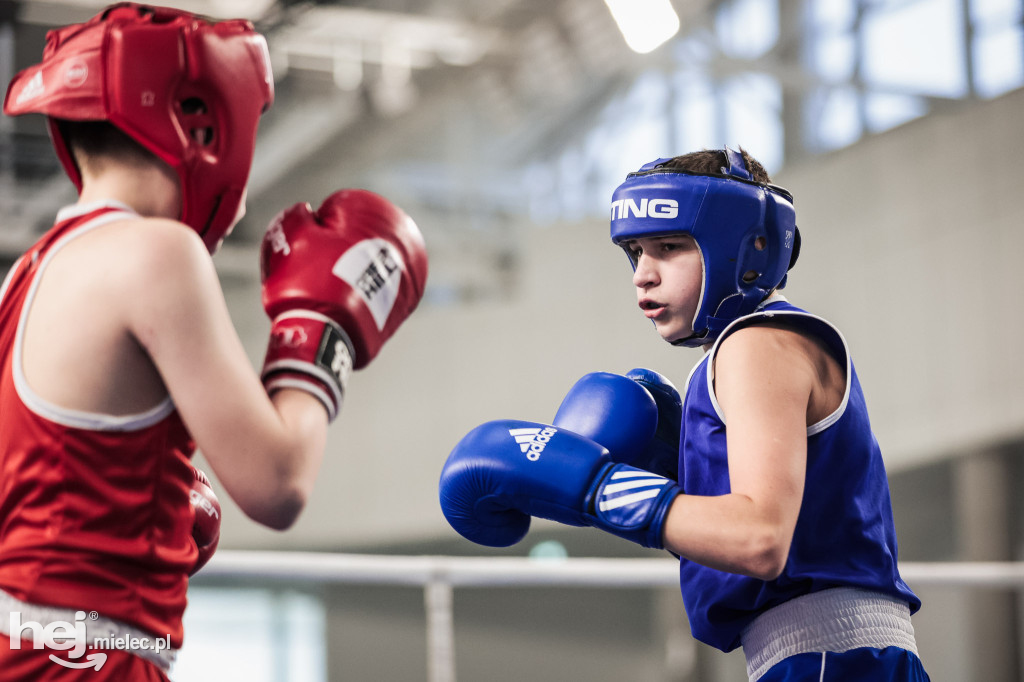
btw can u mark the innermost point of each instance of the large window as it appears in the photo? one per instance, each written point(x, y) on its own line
point(257, 635)
point(825, 73)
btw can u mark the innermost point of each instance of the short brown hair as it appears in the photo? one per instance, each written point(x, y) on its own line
point(713, 162)
point(93, 143)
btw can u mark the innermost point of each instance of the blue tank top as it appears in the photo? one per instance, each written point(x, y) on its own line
point(844, 534)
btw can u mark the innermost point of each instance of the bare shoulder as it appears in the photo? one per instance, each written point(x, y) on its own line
point(765, 362)
point(786, 356)
point(145, 271)
point(144, 256)
point(768, 339)
point(119, 260)
point(107, 284)
point(149, 245)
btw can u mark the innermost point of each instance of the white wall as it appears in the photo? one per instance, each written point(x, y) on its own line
point(910, 245)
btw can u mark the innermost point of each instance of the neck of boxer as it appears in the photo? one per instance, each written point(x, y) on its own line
point(152, 190)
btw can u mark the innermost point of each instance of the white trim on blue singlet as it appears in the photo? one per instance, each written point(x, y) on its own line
point(80, 419)
point(815, 428)
point(693, 370)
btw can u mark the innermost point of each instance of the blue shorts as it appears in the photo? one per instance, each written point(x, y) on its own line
point(856, 665)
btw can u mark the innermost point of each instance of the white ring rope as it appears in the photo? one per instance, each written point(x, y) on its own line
point(522, 571)
point(439, 574)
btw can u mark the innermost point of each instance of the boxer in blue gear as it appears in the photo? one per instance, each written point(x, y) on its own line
point(784, 525)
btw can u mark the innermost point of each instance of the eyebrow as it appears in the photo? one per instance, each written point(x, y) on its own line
point(672, 236)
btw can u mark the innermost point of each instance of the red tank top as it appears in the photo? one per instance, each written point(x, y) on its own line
point(94, 509)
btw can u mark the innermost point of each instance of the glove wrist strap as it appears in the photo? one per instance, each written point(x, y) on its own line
point(632, 503)
point(310, 352)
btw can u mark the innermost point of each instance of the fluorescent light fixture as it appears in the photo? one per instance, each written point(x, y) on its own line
point(645, 24)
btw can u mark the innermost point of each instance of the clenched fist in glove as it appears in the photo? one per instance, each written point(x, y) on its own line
point(505, 472)
point(206, 527)
point(637, 417)
point(337, 283)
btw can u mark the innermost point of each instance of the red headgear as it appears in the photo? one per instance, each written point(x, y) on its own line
point(188, 90)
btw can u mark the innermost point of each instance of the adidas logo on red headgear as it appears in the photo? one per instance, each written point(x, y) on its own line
point(34, 88)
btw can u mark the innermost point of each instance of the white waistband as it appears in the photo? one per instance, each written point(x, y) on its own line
point(114, 633)
point(835, 620)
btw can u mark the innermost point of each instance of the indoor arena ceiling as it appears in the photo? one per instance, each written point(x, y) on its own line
point(449, 105)
point(388, 69)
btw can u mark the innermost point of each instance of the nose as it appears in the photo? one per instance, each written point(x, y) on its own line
point(646, 274)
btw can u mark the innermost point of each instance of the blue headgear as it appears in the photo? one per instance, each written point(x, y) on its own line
point(745, 230)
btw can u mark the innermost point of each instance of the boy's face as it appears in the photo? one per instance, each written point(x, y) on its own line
point(668, 279)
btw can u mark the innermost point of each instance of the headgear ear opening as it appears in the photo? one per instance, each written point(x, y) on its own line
point(796, 248)
point(745, 230)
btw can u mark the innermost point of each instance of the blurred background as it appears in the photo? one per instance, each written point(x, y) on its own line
point(502, 127)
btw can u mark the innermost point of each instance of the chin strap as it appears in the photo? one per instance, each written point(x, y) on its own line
point(693, 340)
point(718, 324)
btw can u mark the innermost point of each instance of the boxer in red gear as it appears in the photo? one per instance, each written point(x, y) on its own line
point(117, 354)
point(94, 497)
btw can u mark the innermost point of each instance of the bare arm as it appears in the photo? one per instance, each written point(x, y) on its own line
point(764, 380)
point(265, 453)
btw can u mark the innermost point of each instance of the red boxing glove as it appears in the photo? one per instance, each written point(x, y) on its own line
point(337, 283)
point(206, 527)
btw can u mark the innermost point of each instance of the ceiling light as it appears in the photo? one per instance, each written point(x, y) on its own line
point(645, 24)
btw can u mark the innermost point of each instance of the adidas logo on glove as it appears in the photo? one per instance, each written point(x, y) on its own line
point(532, 441)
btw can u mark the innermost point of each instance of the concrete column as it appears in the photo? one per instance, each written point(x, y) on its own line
point(982, 489)
point(670, 625)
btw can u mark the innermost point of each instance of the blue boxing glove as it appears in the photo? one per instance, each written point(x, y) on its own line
point(613, 411)
point(636, 417)
point(504, 472)
point(662, 453)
